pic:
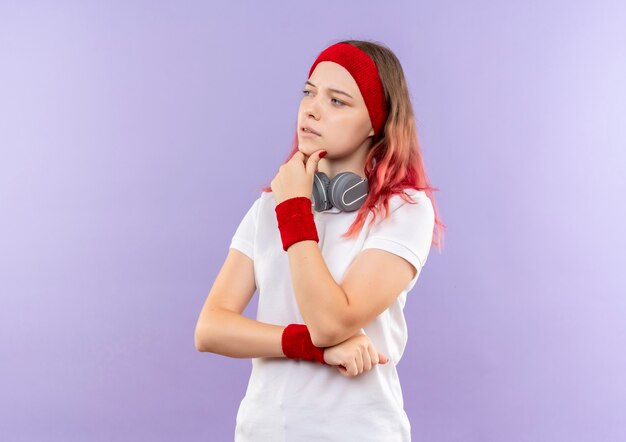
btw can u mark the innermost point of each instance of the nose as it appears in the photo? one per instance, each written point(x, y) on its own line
point(312, 108)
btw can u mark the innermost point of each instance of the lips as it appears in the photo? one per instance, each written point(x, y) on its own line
point(309, 130)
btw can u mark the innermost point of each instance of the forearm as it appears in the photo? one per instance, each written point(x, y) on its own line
point(232, 334)
point(322, 302)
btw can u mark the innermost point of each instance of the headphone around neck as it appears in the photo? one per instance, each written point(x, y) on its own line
point(347, 191)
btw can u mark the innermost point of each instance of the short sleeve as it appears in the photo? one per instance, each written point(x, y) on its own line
point(407, 232)
point(243, 239)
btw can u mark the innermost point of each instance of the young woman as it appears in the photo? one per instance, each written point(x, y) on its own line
point(333, 245)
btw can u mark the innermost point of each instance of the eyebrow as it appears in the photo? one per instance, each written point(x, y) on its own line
point(332, 90)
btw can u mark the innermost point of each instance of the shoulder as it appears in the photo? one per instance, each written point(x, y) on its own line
point(407, 229)
point(267, 196)
point(264, 206)
point(266, 201)
point(415, 195)
point(410, 201)
point(405, 212)
point(256, 206)
point(262, 199)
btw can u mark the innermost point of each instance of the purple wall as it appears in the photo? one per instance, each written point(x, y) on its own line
point(134, 136)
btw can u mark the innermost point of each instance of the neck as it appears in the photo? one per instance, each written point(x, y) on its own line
point(355, 163)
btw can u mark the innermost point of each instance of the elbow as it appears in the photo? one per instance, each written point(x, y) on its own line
point(334, 334)
point(199, 339)
point(198, 345)
point(318, 336)
point(333, 329)
point(325, 340)
point(198, 342)
point(205, 334)
point(324, 337)
point(319, 340)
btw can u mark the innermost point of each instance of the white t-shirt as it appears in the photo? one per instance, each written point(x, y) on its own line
point(296, 400)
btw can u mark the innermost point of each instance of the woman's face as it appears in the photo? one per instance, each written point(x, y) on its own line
point(341, 120)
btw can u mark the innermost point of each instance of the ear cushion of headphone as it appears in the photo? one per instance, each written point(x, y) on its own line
point(320, 196)
point(348, 191)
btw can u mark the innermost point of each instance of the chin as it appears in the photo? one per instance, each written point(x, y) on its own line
point(308, 144)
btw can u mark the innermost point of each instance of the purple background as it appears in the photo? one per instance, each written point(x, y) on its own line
point(135, 135)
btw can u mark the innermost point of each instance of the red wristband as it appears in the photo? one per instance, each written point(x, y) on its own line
point(295, 221)
point(297, 344)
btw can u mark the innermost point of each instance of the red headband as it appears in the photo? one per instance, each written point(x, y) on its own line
point(364, 71)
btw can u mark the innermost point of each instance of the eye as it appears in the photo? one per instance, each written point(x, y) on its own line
point(339, 102)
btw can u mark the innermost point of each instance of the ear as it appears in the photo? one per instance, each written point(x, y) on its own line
point(371, 134)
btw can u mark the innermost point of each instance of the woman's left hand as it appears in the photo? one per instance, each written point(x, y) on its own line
point(295, 177)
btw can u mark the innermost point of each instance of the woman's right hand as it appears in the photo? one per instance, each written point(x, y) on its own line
point(354, 355)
